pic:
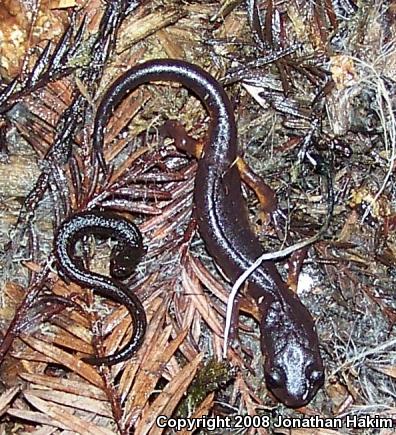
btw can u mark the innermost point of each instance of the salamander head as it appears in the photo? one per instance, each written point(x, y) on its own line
point(123, 260)
point(294, 375)
point(293, 368)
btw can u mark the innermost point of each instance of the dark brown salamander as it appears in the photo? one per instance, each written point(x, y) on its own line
point(123, 259)
point(293, 366)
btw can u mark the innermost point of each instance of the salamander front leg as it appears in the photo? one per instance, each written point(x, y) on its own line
point(265, 194)
point(183, 141)
point(295, 263)
point(193, 147)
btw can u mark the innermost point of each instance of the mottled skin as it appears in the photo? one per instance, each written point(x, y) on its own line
point(293, 365)
point(123, 259)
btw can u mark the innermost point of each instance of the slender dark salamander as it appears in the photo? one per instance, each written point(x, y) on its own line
point(123, 259)
point(293, 365)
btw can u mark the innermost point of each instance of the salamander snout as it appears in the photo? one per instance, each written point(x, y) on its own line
point(291, 385)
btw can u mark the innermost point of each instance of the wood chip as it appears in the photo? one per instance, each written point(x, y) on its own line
point(75, 387)
point(64, 419)
point(57, 355)
point(168, 399)
point(7, 397)
point(74, 401)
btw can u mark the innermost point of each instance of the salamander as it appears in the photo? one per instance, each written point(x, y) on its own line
point(124, 257)
point(293, 367)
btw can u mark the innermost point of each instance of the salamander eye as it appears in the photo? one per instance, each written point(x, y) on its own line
point(317, 377)
point(274, 378)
